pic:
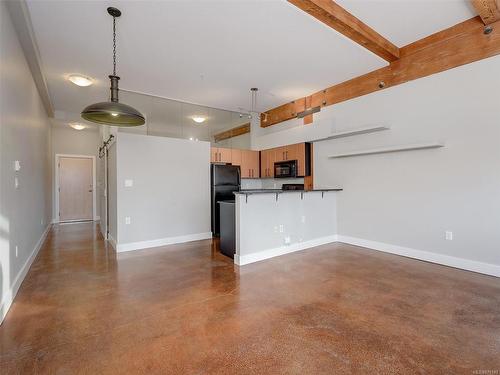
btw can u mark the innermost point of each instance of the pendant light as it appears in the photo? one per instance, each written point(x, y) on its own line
point(112, 112)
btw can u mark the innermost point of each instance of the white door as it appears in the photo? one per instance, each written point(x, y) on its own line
point(75, 189)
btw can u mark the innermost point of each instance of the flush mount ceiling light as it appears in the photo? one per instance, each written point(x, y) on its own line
point(112, 112)
point(199, 119)
point(77, 126)
point(80, 80)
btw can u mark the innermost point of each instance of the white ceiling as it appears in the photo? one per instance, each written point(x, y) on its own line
point(211, 52)
point(405, 21)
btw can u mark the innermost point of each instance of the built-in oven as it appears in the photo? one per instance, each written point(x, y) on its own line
point(285, 169)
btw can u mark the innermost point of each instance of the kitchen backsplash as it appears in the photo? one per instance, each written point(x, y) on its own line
point(268, 183)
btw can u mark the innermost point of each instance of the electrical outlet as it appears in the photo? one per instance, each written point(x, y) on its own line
point(288, 240)
point(449, 235)
point(129, 183)
point(275, 229)
point(282, 228)
point(17, 166)
point(127, 219)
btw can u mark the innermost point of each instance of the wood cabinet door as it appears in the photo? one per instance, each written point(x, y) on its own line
point(279, 154)
point(253, 162)
point(224, 155)
point(263, 163)
point(245, 166)
point(271, 160)
point(292, 152)
point(214, 155)
point(300, 156)
point(236, 156)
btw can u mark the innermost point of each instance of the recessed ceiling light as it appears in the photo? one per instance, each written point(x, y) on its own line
point(114, 114)
point(77, 126)
point(80, 80)
point(199, 119)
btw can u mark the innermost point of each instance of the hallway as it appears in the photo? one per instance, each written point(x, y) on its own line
point(186, 309)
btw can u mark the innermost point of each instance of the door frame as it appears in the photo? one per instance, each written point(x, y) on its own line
point(56, 176)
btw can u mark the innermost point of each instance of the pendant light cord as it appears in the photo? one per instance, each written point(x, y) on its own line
point(114, 46)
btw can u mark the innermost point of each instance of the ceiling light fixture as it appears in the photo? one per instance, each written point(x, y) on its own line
point(77, 126)
point(199, 119)
point(113, 112)
point(80, 80)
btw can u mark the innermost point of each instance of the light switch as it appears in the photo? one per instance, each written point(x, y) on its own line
point(127, 220)
point(17, 166)
point(129, 183)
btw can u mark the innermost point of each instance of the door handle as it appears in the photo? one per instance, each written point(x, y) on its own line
point(90, 191)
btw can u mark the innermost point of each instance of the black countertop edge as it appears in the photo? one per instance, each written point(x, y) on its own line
point(278, 191)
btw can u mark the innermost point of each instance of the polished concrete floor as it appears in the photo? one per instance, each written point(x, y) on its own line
point(185, 309)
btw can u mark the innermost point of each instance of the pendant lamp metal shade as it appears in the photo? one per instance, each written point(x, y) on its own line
point(113, 112)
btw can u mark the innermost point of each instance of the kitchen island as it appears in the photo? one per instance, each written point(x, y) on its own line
point(270, 223)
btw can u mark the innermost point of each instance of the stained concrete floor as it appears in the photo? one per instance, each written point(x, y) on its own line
point(186, 309)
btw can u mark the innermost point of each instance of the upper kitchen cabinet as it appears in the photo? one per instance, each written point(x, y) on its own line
point(220, 155)
point(267, 159)
point(249, 164)
point(300, 152)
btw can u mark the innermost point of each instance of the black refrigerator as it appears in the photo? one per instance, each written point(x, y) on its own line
point(224, 180)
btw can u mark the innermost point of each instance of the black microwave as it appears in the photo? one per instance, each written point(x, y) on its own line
point(285, 169)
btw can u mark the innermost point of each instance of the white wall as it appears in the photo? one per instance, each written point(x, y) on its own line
point(25, 136)
point(306, 220)
point(112, 193)
point(170, 198)
point(410, 199)
point(75, 142)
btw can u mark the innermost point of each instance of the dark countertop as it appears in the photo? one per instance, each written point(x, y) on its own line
point(279, 191)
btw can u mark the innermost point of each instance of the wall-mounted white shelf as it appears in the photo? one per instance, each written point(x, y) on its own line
point(384, 150)
point(357, 131)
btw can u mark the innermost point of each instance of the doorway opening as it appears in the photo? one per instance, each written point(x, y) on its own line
point(75, 181)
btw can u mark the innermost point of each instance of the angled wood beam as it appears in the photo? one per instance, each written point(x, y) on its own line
point(234, 132)
point(459, 45)
point(345, 23)
point(488, 10)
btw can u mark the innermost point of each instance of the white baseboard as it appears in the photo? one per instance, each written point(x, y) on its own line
point(112, 241)
point(122, 247)
point(447, 260)
point(8, 298)
point(271, 253)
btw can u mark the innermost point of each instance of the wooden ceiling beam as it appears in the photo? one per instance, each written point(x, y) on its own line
point(345, 23)
point(234, 132)
point(459, 45)
point(488, 10)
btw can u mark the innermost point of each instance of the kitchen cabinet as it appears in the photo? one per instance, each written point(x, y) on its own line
point(297, 152)
point(249, 164)
point(236, 156)
point(267, 159)
point(248, 160)
point(220, 155)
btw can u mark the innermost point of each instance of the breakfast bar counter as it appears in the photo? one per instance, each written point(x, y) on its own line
point(270, 223)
